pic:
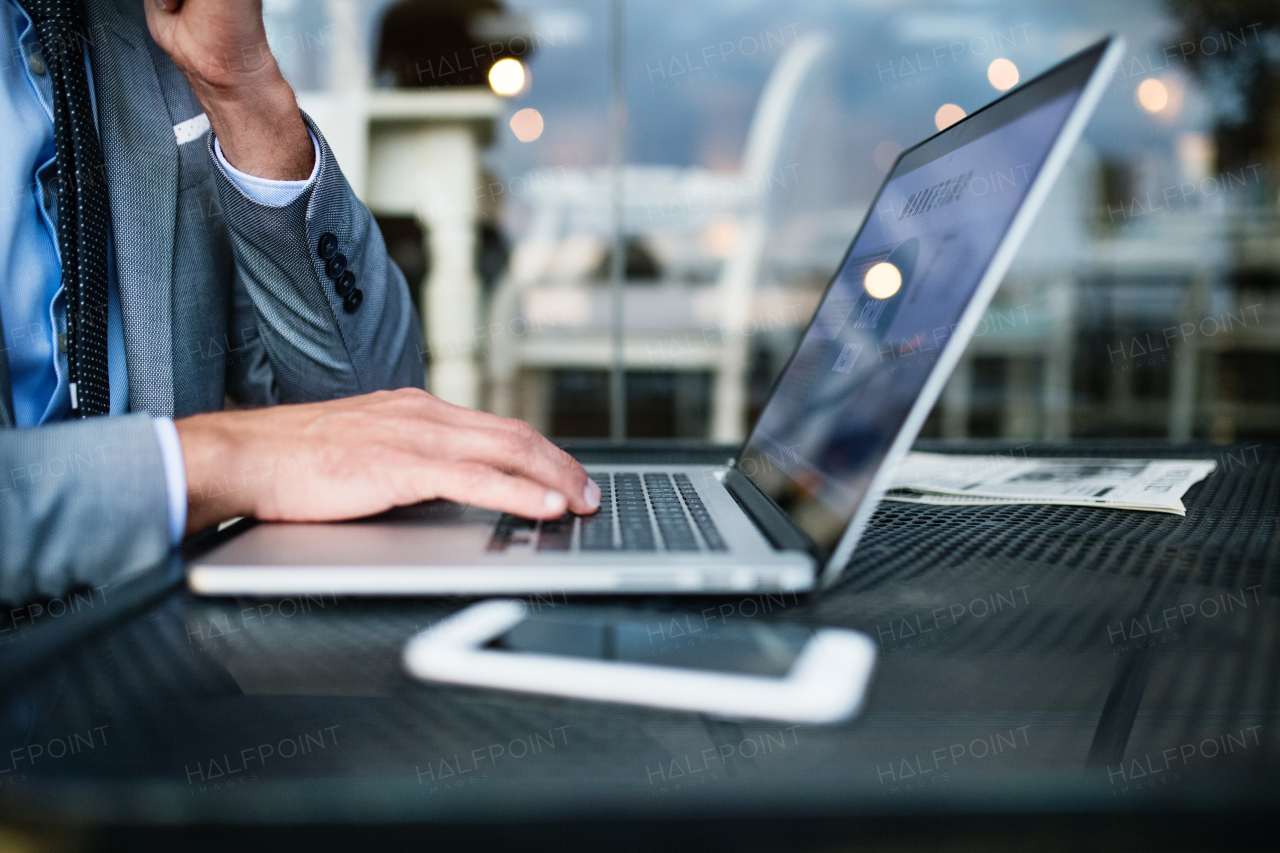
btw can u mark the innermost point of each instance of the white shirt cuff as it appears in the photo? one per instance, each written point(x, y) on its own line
point(175, 476)
point(262, 190)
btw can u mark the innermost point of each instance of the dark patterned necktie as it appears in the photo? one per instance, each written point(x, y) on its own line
point(82, 202)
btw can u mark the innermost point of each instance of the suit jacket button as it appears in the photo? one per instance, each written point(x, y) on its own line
point(352, 303)
point(345, 283)
point(336, 265)
point(328, 245)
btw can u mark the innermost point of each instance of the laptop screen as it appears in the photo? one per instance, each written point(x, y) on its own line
point(902, 288)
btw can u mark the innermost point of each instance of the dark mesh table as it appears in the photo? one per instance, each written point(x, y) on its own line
point(1044, 672)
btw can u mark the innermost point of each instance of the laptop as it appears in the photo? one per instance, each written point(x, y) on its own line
point(785, 515)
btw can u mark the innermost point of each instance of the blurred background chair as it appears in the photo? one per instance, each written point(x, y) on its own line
point(680, 313)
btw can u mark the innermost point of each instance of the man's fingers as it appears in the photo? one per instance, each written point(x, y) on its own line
point(524, 453)
point(427, 448)
point(168, 5)
point(483, 486)
point(511, 446)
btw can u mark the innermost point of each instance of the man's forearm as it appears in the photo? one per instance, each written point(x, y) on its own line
point(221, 48)
point(81, 503)
point(261, 131)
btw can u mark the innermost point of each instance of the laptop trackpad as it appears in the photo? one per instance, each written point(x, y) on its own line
point(431, 533)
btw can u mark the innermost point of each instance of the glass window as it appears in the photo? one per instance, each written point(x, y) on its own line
point(1145, 302)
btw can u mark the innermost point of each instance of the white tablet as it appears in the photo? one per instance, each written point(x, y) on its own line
point(688, 662)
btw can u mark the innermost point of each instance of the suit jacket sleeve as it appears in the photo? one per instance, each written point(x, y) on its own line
point(84, 503)
point(81, 504)
point(314, 348)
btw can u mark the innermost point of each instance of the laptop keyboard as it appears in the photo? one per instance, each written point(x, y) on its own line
point(649, 512)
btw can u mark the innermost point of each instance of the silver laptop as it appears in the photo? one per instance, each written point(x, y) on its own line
point(786, 513)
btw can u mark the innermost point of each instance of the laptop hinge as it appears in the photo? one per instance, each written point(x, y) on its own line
point(775, 524)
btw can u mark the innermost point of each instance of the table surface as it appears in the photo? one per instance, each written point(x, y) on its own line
point(1064, 663)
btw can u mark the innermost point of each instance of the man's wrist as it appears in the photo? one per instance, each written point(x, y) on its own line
point(260, 129)
point(210, 455)
point(261, 190)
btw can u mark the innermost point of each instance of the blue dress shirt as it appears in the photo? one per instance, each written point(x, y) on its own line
point(32, 303)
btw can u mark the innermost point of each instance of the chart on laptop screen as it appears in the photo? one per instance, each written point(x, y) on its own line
point(886, 317)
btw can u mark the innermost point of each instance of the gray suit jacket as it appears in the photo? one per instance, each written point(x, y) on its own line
point(219, 296)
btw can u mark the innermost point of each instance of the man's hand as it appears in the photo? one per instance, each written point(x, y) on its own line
point(220, 46)
point(362, 455)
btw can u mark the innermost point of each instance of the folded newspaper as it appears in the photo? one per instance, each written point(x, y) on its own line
point(1154, 485)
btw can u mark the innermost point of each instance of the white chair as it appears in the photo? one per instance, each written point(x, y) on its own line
point(552, 311)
